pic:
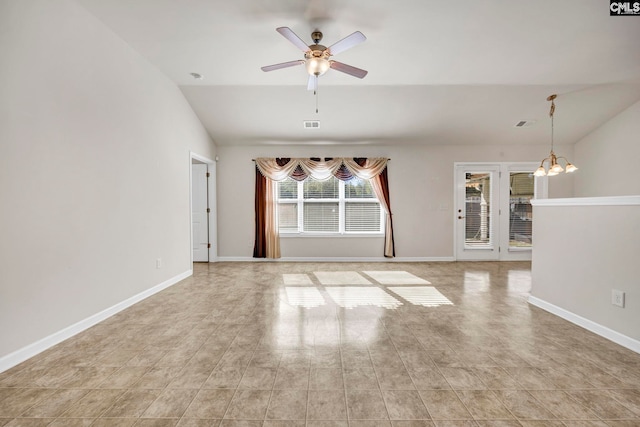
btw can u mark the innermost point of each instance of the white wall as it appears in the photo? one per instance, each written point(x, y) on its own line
point(94, 170)
point(421, 190)
point(598, 154)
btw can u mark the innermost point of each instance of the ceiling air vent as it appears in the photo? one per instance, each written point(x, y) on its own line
point(524, 123)
point(311, 124)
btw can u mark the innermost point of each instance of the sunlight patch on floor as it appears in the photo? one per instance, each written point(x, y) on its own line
point(296, 279)
point(426, 296)
point(396, 278)
point(477, 281)
point(355, 296)
point(304, 297)
point(341, 278)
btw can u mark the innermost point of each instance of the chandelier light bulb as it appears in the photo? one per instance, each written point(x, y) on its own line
point(556, 168)
point(540, 171)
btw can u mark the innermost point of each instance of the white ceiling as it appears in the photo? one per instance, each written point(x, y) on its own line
point(440, 72)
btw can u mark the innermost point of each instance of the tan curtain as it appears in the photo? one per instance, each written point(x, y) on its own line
point(370, 169)
point(272, 237)
point(380, 184)
point(272, 170)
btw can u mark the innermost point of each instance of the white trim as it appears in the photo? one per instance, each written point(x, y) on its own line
point(303, 235)
point(335, 259)
point(342, 201)
point(212, 202)
point(19, 356)
point(596, 328)
point(589, 201)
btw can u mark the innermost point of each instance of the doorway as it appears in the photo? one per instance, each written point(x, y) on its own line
point(493, 215)
point(202, 201)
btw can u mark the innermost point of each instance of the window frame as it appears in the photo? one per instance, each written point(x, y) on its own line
point(342, 201)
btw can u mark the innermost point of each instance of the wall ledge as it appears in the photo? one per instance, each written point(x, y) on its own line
point(596, 328)
point(589, 201)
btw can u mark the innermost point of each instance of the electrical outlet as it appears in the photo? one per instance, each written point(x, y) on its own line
point(159, 263)
point(617, 298)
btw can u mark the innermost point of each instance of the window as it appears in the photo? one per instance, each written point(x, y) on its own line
point(521, 189)
point(328, 207)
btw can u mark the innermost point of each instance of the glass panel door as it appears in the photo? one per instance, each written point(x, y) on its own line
point(477, 203)
point(494, 219)
point(520, 210)
point(517, 187)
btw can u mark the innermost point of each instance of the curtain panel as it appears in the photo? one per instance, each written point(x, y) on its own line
point(270, 170)
point(267, 239)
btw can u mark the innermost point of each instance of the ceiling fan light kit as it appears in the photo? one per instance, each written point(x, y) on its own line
point(554, 167)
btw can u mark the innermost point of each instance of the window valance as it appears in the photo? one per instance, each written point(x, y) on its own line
point(343, 168)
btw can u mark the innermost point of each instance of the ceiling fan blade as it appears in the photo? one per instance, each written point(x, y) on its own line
point(293, 38)
point(281, 65)
point(312, 84)
point(348, 69)
point(346, 43)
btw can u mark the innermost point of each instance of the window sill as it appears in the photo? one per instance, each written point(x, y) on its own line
point(517, 249)
point(330, 235)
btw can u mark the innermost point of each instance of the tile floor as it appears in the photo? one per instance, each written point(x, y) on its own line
point(231, 347)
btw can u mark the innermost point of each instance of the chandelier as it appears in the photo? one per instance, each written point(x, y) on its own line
point(554, 167)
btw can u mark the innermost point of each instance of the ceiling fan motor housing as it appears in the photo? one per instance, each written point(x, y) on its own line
point(317, 51)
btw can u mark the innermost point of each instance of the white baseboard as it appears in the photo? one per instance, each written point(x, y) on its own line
point(335, 259)
point(19, 356)
point(596, 328)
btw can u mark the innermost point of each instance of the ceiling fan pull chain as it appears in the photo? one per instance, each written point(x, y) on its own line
point(315, 92)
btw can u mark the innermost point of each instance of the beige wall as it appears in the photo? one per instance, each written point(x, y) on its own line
point(421, 188)
point(581, 253)
point(94, 171)
point(607, 156)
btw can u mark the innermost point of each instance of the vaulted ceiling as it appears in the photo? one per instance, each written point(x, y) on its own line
point(462, 72)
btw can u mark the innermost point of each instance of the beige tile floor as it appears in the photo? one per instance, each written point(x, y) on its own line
point(230, 347)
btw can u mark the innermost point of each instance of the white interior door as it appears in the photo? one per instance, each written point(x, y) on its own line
point(199, 214)
point(477, 199)
point(494, 218)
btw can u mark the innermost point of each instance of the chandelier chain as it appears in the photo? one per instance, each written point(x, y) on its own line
point(552, 160)
point(551, 111)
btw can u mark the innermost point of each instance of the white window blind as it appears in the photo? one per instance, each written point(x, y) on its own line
point(521, 191)
point(321, 217)
point(478, 211)
point(362, 217)
point(328, 207)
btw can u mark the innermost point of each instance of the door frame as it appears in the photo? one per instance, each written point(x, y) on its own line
point(502, 221)
point(211, 201)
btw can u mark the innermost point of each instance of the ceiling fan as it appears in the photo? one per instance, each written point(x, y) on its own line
point(316, 56)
